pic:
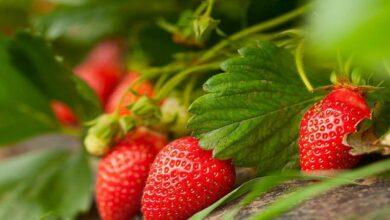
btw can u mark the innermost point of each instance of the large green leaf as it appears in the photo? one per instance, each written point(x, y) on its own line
point(36, 62)
point(24, 110)
point(31, 77)
point(57, 183)
point(252, 111)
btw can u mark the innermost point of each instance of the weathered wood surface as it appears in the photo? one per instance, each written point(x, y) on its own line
point(364, 202)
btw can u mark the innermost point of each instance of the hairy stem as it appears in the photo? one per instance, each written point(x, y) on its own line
point(178, 78)
point(253, 29)
point(300, 68)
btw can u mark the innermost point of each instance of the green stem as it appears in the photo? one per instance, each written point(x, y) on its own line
point(209, 9)
point(71, 131)
point(300, 68)
point(251, 30)
point(149, 74)
point(188, 92)
point(173, 82)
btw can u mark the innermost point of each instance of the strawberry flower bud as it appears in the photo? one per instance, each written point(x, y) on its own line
point(203, 27)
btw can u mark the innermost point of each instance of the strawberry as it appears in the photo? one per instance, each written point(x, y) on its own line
point(122, 174)
point(144, 88)
point(63, 113)
point(324, 127)
point(184, 179)
point(102, 68)
point(157, 139)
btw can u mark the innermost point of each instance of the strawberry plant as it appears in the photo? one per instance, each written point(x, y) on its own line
point(123, 108)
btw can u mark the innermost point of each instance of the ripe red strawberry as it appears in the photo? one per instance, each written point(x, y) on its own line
point(324, 127)
point(157, 139)
point(121, 177)
point(63, 113)
point(144, 88)
point(183, 180)
point(102, 68)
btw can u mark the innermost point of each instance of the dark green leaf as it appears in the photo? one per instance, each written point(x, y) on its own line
point(36, 63)
point(252, 111)
point(56, 183)
point(24, 109)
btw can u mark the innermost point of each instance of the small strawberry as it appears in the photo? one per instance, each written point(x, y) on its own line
point(324, 127)
point(121, 176)
point(143, 88)
point(183, 180)
point(102, 68)
point(63, 113)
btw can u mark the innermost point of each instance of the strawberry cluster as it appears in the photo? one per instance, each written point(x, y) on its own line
point(139, 170)
point(173, 180)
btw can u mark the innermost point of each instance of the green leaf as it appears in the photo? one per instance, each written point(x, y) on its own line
point(36, 62)
point(252, 111)
point(93, 20)
point(53, 183)
point(24, 109)
point(355, 27)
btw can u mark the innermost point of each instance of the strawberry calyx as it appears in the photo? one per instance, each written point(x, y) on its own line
point(101, 134)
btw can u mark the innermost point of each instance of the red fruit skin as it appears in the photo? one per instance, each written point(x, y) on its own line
point(183, 180)
point(157, 139)
point(144, 88)
point(63, 113)
point(121, 178)
point(323, 128)
point(102, 68)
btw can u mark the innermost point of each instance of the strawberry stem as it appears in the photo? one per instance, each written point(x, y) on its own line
point(300, 68)
point(173, 82)
point(210, 4)
point(251, 30)
point(74, 132)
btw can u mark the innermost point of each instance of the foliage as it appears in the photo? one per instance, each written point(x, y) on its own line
point(31, 77)
point(249, 113)
point(53, 182)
